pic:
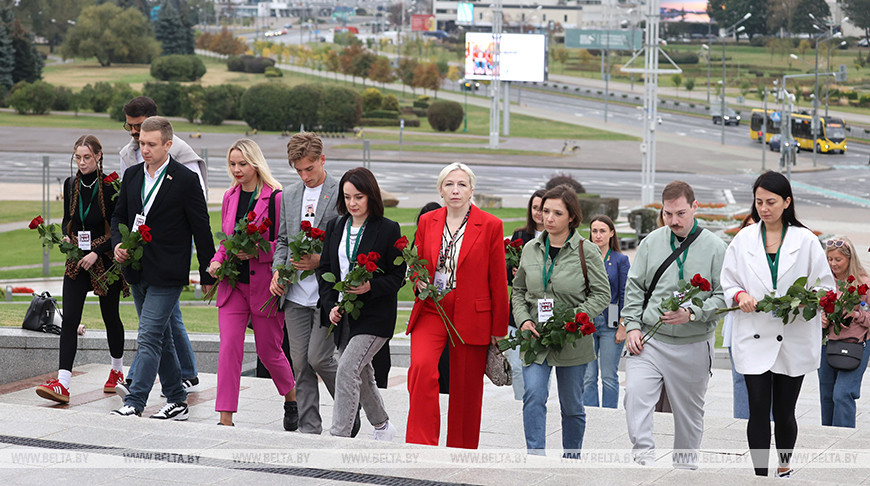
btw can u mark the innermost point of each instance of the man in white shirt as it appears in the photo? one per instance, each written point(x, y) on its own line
point(312, 200)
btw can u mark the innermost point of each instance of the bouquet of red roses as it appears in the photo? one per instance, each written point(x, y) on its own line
point(285, 273)
point(247, 238)
point(686, 292)
point(562, 329)
point(512, 252)
point(132, 241)
point(348, 303)
point(51, 235)
point(113, 180)
point(417, 272)
point(308, 241)
point(839, 307)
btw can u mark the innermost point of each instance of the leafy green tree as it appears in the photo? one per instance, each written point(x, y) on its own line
point(265, 106)
point(111, 35)
point(801, 22)
point(98, 96)
point(372, 99)
point(173, 31)
point(50, 19)
point(728, 12)
point(677, 80)
point(28, 60)
point(340, 109)
point(305, 105)
point(405, 71)
point(35, 98)
point(859, 14)
point(689, 84)
point(7, 53)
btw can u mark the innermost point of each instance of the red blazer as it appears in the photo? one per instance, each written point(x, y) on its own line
point(260, 267)
point(481, 306)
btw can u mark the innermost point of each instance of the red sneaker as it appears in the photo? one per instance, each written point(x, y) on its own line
point(53, 390)
point(115, 377)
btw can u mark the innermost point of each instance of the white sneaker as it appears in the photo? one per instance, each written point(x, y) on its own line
point(386, 433)
point(173, 411)
point(126, 411)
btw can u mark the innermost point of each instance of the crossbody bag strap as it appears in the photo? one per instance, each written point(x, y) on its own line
point(272, 214)
point(665, 264)
point(583, 265)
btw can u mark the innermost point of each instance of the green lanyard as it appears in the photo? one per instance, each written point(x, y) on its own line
point(252, 201)
point(607, 256)
point(773, 264)
point(549, 273)
point(351, 257)
point(151, 192)
point(83, 214)
point(685, 253)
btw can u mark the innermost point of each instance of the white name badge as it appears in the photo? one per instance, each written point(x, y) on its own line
point(440, 281)
point(85, 240)
point(680, 295)
point(612, 315)
point(139, 221)
point(545, 309)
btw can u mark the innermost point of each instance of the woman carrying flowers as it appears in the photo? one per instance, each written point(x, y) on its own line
point(765, 258)
point(838, 389)
point(551, 274)
point(253, 190)
point(87, 212)
point(360, 237)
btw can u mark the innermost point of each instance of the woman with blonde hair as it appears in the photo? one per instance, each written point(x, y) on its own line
point(838, 389)
point(253, 189)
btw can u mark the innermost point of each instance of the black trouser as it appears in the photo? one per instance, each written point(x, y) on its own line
point(74, 293)
point(782, 392)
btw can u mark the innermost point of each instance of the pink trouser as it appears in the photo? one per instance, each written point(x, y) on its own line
point(268, 335)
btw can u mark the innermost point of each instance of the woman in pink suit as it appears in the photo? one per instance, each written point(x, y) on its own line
point(465, 250)
point(253, 189)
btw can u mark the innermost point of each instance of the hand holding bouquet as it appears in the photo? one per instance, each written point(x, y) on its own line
point(132, 242)
point(349, 303)
point(512, 252)
point(308, 241)
point(247, 239)
point(839, 307)
point(686, 292)
point(562, 329)
point(797, 300)
point(285, 273)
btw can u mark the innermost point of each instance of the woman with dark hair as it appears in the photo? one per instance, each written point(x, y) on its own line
point(552, 267)
point(361, 228)
point(763, 258)
point(87, 212)
point(609, 336)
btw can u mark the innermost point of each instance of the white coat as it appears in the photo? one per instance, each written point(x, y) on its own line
point(760, 342)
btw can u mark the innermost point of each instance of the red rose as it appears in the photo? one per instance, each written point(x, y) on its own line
point(862, 289)
point(306, 226)
point(110, 178)
point(362, 259)
point(371, 266)
point(507, 243)
point(144, 227)
point(587, 328)
point(517, 243)
point(267, 222)
point(374, 256)
point(251, 228)
point(852, 289)
point(571, 327)
point(318, 234)
point(146, 235)
point(829, 308)
point(263, 228)
point(701, 283)
point(850, 278)
point(38, 221)
point(581, 318)
point(401, 243)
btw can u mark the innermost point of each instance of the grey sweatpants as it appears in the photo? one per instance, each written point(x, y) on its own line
point(355, 382)
point(685, 370)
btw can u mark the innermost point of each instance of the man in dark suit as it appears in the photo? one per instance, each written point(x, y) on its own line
point(165, 196)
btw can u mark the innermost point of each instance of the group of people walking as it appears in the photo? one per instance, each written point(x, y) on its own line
point(464, 249)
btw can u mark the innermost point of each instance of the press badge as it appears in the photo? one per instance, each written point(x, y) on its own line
point(440, 281)
point(679, 295)
point(139, 221)
point(545, 309)
point(85, 240)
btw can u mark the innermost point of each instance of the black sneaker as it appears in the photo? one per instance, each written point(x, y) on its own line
point(122, 389)
point(173, 411)
point(190, 386)
point(291, 416)
point(127, 411)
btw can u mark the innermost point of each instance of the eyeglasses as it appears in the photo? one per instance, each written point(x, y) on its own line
point(835, 243)
point(129, 127)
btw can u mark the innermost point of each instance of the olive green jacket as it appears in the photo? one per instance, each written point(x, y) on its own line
point(566, 287)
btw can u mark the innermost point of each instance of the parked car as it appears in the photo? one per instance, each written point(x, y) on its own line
point(776, 144)
point(731, 116)
point(469, 84)
point(864, 42)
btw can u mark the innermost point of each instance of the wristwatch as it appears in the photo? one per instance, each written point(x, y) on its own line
point(692, 316)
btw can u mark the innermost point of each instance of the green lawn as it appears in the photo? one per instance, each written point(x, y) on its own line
point(448, 149)
point(15, 211)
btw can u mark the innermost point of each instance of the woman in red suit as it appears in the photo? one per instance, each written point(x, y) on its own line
point(253, 190)
point(465, 250)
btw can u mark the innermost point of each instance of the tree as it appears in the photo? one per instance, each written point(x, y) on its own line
point(728, 12)
point(560, 55)
point(405, 71)
point(111, 35)
point(801, 22)
point(7, 53)
point(445, 115)
point(50, 19)
point(372, 99)
point(381, 71)
point(780, 15)
point(859, 14)
point(28, 60)
point(362, 64)
point(348, 58)
point(453, 74)
point(677, 80)
point(332, 61)
point(689, 84)
point(35, 98)
point(174, 34)
point(426, 76)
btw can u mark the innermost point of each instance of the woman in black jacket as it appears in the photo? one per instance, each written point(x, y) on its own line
point(87, 211)
point(361, 229)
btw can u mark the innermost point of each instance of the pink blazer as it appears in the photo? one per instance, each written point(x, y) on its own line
point(260, 267)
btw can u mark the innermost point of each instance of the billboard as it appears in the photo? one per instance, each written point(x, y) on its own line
point(422, 23)
point(465, 13)
point(523, 56)
point(618, 40)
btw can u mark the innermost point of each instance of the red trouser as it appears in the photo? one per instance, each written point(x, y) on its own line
point(467, 366)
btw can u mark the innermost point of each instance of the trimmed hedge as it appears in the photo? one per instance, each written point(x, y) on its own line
point(177, 67)
point(305, 106)
point(445, 115)
point(393, 115)
point(168, 96)
point(34, 98)
point(265, 106)
point(249, 64)
point(98, 96)
point(340, 109)
point(385, 122)
point(222, 102)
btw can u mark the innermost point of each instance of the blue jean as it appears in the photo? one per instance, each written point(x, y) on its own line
point(838, 391)
point(183, 349)
point(569, 380)
point(156, 350)
point(608, 353)
point(516, 362)
point(741, 397)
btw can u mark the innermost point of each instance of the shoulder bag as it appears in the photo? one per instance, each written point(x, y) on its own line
point(498, 369)
point(844, 354)
point(40, 314)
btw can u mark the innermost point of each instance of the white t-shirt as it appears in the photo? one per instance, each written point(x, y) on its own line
point(306, 292)
point(343, 263)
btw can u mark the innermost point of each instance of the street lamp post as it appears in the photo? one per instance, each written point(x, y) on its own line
point(821, 37)
point(827, 78)
point(707, 48)
point(722, 35)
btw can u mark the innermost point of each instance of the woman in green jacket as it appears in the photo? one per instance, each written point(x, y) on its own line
point(551, 274)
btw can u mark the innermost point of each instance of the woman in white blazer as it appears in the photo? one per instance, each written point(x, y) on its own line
point(763, 258)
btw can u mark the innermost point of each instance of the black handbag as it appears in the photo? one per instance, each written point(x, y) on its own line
point(844, 354)
point(40, 314)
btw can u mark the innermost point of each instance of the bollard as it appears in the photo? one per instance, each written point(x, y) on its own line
point(197, 291)
point(8, 293)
